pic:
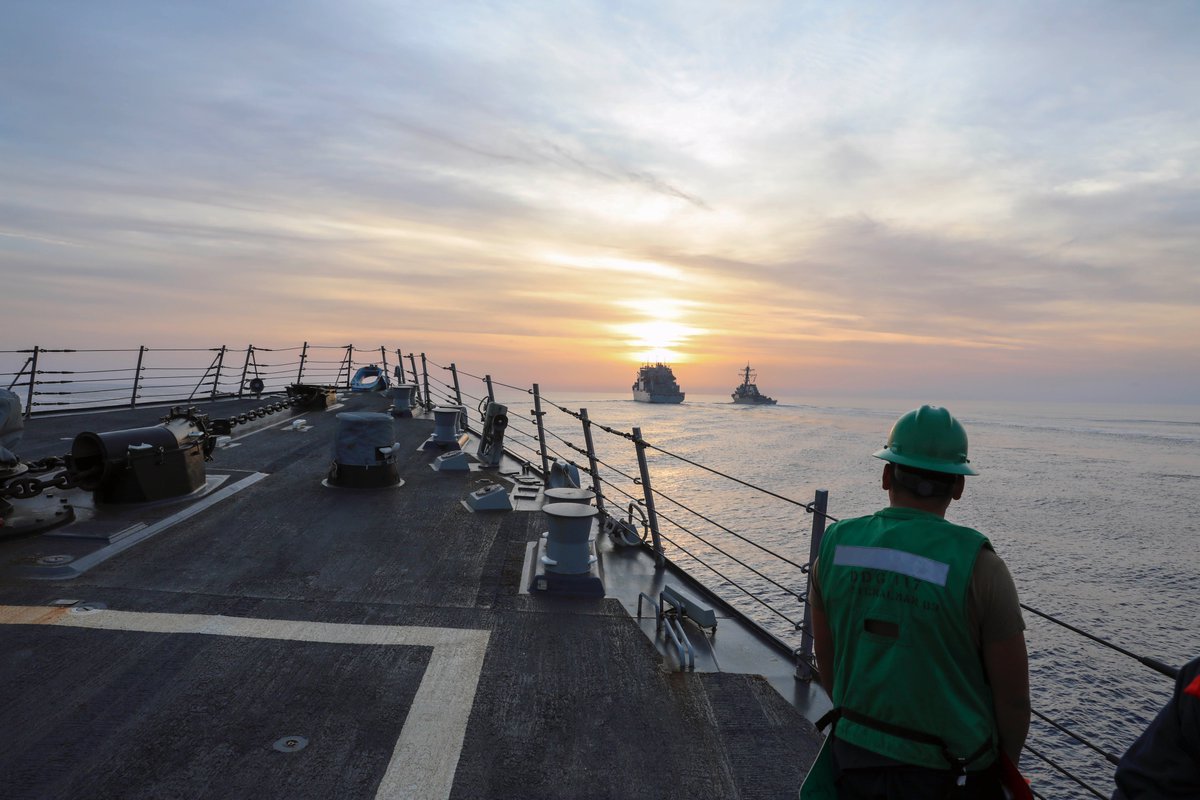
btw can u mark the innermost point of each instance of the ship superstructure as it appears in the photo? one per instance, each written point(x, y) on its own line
point(656, 384)
point(748, 393)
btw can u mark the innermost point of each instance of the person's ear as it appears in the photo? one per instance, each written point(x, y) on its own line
point(960, 483)
point(887, 477)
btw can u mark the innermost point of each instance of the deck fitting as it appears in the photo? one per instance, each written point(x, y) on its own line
point(290, 744)
point(88, 608)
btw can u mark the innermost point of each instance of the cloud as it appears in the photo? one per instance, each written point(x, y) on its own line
point(861, 178)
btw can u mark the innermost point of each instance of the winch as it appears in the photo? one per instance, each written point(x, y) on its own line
point(136, 465)
point(139, 465)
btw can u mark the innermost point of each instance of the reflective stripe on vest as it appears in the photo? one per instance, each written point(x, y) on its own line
point(914, 566)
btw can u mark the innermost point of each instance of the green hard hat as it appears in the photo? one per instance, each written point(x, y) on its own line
point(929, 438)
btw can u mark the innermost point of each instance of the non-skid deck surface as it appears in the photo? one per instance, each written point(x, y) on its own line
point(294, 640)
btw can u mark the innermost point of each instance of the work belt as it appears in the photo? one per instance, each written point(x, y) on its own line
point(957, 765)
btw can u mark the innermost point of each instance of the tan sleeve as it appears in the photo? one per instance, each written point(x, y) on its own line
point(814, 589)
point(992, 601)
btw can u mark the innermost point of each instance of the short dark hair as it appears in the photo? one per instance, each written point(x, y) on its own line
point(924, 482)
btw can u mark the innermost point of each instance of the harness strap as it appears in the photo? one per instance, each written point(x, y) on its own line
point(958, 764)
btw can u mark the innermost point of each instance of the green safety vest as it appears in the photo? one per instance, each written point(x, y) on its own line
point(908, 679)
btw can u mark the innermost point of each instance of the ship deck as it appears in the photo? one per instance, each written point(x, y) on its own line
point(275, 637)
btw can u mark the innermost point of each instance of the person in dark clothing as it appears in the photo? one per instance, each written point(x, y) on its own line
point(1164, 763)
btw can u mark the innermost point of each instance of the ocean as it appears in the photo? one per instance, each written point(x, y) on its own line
point(1093, 507)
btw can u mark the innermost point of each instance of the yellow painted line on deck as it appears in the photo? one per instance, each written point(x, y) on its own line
point(426, 754)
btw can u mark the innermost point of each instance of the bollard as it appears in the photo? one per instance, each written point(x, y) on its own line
point(564, 560)
point(364, 452)
point(567, 494)
point(446, 432)
point(402, 399)
point(567, 550)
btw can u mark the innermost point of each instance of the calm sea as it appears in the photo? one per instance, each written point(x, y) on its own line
point(1093, 507)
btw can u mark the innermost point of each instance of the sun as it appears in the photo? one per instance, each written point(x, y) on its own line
point(657, 340)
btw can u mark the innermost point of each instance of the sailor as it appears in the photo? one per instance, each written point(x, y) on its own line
point(918, 634)
point(1164, 762)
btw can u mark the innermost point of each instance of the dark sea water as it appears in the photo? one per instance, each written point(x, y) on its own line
point(1093, 507)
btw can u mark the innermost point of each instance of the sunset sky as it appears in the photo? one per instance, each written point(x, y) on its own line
point(939, 199)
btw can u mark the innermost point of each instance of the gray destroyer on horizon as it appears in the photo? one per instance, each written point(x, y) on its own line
point(748, 393)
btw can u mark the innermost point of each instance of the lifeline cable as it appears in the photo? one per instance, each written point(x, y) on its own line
point(731, 557)
point(520, 424)
point(495, 382)
point(76, 371)
point(1064, 771)
point(123, 389)
point(697, 513)
point(574, 447)
point(806, 506)
point(706, 565)
point(727, 530)
point(559, 455)
point(809, 507)
point(619, 472)
point(511, 431)
point(622, 491)
point(799, 597)
point(510, 386)
point(45, 350)
point(1111, 758)
point(1152, 663)
point(522, 444)
point(473, 397)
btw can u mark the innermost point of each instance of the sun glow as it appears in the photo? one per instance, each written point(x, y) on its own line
point(657, 340)
point(622, 265)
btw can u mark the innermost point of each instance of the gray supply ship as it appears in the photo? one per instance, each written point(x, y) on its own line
point(656, 384)
point(747, 393)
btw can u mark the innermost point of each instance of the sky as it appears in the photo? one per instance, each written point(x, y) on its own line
point(935, 199)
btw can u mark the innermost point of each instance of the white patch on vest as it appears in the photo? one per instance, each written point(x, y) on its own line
point(914, 566)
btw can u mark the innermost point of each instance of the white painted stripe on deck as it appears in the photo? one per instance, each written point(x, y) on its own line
point(85, 563)
point(426, 754)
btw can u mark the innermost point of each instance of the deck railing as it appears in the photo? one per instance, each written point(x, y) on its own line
point(57, 379)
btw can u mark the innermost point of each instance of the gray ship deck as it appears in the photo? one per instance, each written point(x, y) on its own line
point(294, 640)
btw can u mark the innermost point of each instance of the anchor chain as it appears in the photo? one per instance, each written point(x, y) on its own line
point(225, 426)
point(28, 485)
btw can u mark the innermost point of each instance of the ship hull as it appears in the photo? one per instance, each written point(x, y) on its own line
point(655, 397)
point(754, 401)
